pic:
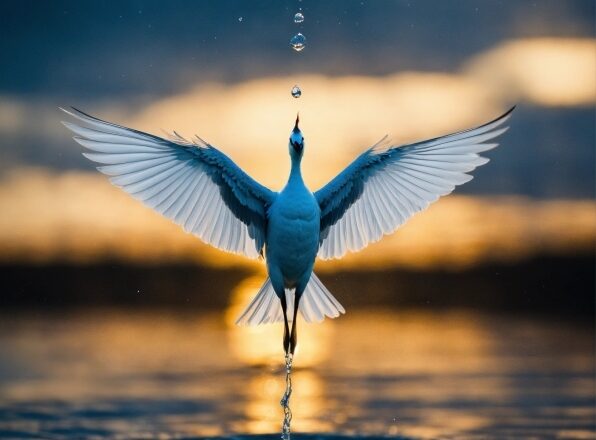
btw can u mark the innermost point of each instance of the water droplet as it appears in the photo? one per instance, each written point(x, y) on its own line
point(298, 18)
point(296, 92)
point(298, 42)
point(240, 18)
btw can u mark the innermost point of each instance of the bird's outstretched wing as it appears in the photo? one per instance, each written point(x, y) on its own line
point(191, 183)
point(386, 185)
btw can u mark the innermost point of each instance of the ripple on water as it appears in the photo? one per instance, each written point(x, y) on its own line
point(413, 374)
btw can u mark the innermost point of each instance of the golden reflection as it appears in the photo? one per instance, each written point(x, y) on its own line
point(262, 345)
point(442, 423)
point(415, 342)
point(415, 374)
point(264, 414)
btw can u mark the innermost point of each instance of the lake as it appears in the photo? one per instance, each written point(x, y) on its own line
point(126, 374)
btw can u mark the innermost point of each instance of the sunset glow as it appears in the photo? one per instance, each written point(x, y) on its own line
point(48, 217)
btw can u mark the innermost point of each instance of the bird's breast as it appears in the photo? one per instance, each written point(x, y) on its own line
point(293, 234)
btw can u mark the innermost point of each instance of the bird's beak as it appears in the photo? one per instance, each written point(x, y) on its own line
point(297, 121)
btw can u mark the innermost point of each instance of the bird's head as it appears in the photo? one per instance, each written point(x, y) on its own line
point(296, 141)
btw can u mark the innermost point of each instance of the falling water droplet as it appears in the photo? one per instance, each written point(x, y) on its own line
point(298, 18)
point(296, 92)
point(240, 18)
point(298, 42)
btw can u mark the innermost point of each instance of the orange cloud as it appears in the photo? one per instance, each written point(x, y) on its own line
point(545, 71)
point(80, 217)
point(339, 116)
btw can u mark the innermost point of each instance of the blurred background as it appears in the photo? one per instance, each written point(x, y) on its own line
point(476, 319)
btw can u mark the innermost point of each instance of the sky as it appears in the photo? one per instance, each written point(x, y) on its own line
point(223, 70)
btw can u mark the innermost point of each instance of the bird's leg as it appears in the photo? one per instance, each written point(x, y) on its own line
point(284, 307)
point(294, 335)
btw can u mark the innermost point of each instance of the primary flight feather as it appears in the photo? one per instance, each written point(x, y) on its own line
point(204, 191)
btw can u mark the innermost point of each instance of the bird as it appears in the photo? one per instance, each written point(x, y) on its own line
point(201, 189)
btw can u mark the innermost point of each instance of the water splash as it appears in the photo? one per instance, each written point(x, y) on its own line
point(285, 400)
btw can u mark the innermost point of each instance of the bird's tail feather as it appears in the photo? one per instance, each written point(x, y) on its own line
point(316, 303)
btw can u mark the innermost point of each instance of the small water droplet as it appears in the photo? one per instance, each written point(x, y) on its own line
point(240, 18)
point(298, 18)
point(298, 42)
point(296, 92)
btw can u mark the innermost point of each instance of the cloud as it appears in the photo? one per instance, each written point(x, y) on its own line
point(544, 71)
point(340, 115)
point(13, 116)
point(80, 217)
point(343, 115)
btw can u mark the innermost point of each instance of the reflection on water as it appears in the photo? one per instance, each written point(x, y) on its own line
point(416, 374)
point(262, 345)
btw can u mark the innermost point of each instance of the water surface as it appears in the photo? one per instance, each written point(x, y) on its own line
point(122, 375)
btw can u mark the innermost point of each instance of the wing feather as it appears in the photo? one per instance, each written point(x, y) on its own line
point(193, 184)
point(386, 185)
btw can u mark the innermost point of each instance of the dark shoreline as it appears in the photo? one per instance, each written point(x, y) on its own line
point(558, 285)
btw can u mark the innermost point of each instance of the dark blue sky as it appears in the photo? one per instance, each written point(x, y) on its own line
point(106, 48)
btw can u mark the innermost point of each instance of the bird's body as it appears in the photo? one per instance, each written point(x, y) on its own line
point(204, 191)
point(292, 233)
point(292, 236)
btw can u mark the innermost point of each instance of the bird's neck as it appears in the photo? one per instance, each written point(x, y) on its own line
point(295, 173)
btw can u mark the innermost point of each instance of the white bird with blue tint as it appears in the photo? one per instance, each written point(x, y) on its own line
point(204, 191)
